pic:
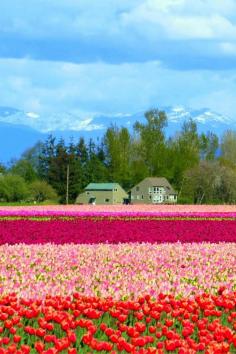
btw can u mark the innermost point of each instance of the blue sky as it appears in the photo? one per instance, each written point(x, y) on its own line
point(117, 56)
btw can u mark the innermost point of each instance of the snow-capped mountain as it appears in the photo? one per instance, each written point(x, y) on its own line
point(72, 121)
point(204, 115)
point(205, 118)
point(20, 130)
point(47, 123)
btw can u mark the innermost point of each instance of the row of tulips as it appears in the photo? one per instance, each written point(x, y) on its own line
point(74, 212)
point(204, 324)
point(121, 271)
point(93, 230)
point(129, 217)
point(115, 209)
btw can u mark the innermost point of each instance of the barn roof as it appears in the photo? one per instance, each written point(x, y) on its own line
point(101, 186)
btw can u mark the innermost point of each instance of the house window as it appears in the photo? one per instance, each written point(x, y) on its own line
point(142, 196)
point(150, 197)
point(137, 188)
point(150, 190)
point(155, 189)
point(107, 200)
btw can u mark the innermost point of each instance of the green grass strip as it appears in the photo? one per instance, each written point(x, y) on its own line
point(114, 218)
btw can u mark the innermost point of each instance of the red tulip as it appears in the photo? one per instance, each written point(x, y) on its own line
point(140, 326)
point(25, 348)
point(71, 337)
point(8, 324)
point(72, 351)
point(5, 340)
point(16, 338)
point(39, 346)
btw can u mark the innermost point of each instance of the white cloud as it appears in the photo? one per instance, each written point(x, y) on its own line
point(72, 18)
point(228, 48)
point(119, 31)
point(32, 115)
point(46, 87)
point(61, 19)
point(184, 19)
point(196, 27)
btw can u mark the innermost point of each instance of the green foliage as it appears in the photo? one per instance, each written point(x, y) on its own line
point(118, 155)
point(45, 156)
point(210, 183)
point(2, 169)
point(41, 191)
point(13, 188)
point(209, 144)
point(57, 170)
point(24, 169)
point(95, 167)
point(228, 148)
point(151, 145)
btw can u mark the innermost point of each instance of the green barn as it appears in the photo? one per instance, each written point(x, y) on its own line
point(102, 193)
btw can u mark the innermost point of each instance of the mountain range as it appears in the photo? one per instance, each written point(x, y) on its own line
point(20, 130)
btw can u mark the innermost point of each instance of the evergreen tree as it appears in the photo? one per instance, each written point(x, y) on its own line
point(46, 155)
point(32, 155)
point(57, 173)
point(95, 169)
point(2, 169)
point(76, 173)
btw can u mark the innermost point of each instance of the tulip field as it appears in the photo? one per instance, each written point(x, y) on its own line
point(128, 279)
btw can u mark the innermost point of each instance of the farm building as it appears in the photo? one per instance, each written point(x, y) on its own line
point(102, 193)
point(153, 190)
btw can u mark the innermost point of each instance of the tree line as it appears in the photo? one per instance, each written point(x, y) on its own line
point(201, 167)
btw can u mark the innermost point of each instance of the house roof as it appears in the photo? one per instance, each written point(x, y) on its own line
point(101, 186)
point(160, 182)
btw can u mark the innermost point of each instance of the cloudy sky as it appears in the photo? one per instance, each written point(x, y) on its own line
point(117, 56)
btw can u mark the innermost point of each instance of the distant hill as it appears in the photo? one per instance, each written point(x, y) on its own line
point(15, 138)
point(20, 130)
